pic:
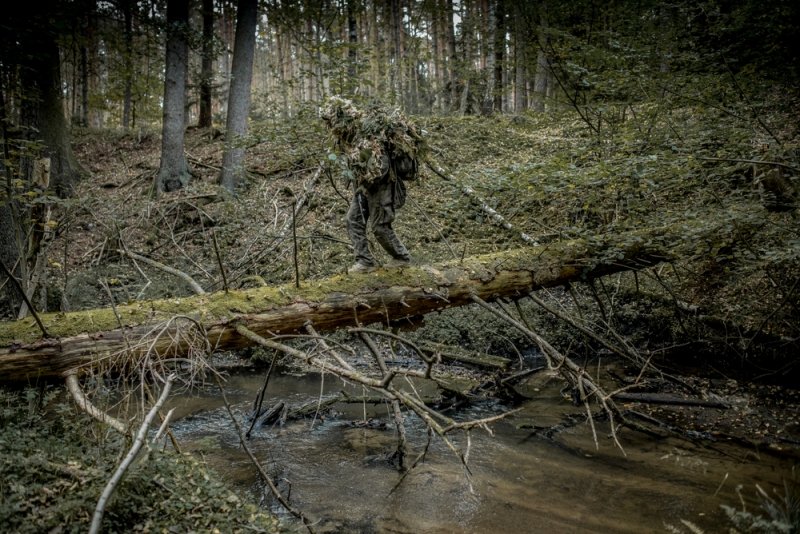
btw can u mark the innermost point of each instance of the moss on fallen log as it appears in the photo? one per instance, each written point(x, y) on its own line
point(84, 337)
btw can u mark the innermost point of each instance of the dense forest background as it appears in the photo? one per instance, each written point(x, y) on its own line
point(153, 149)
point(72, 65)
point(576, 119)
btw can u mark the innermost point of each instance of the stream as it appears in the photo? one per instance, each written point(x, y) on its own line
point(335, 468)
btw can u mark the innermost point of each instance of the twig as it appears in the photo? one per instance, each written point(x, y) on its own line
point(260, 397)
point(438, 229)
point(323, 342)
point(129, 458)
point(624, 352)
point(399, 420)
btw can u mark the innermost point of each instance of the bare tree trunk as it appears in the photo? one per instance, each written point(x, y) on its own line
point(396, 56)
point(284, 71)
point(239, 97)
point(352, 55)
point(173, 173)
point(499, 54)
point(491, 28)
point(542, 77)
point(375, 55)
point(127, 14)
point(520, 68)
point(451, 50)
point(206, 65)
point(84, 120)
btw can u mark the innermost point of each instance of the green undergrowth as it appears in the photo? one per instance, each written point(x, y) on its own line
point(55, 462)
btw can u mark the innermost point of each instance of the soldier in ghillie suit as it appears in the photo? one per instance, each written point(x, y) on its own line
point(380, 149)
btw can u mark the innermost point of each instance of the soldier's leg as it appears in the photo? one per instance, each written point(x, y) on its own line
point(357, 217)
point(385, 235)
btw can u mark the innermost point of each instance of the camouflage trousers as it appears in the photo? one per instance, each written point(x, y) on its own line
point(375, 206)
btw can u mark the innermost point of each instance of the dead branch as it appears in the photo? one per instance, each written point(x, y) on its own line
point(86, 405)
point(166, 268)
point(129, 458)
point(624, 350)
point(572, 372)
point(261, 471)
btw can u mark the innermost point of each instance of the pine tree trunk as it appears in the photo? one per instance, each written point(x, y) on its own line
point(239, 96)
point(206, 65)
point(542, 77)
point(173, 173)
point(127, 15)
point(499, 54)
point(520, 82)
point(451, 51)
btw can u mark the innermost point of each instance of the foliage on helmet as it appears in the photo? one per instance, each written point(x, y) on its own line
point(368, 139)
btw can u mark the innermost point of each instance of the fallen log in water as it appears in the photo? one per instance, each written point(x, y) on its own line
point(171, 327)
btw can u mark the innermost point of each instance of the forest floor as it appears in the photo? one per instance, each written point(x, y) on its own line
point(713, 319)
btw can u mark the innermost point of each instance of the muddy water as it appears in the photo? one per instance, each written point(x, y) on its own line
point(336, 471)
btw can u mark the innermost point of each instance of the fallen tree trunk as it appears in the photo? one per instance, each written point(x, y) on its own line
point(85, 338)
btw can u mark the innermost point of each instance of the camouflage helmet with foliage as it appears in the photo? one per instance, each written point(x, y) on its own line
point(371, 137)
point(343, 120)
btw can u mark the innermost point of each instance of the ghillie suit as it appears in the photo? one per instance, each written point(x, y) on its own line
point(381, 149)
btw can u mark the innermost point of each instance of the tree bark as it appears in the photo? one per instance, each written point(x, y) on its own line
point(206, 65)
point(451, 51)
point(47, 162)
point(541, 79)
point(499, 54)
point(85, 338)
point(127, 15)
point(173, 174)
point(239, 96)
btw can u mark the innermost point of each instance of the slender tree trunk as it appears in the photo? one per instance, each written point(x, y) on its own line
point(284, 71)
point(352, 52)
point(396, 72)
point(127, 14)
point(84, 121)
point(520, 68)
point(541, 80)
point(239, 97)
point(491, 27)
point(206, 65)
point(451, 51)
point(499, 54)
point(227, 40)
point(375, 55)
point(173, 173)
